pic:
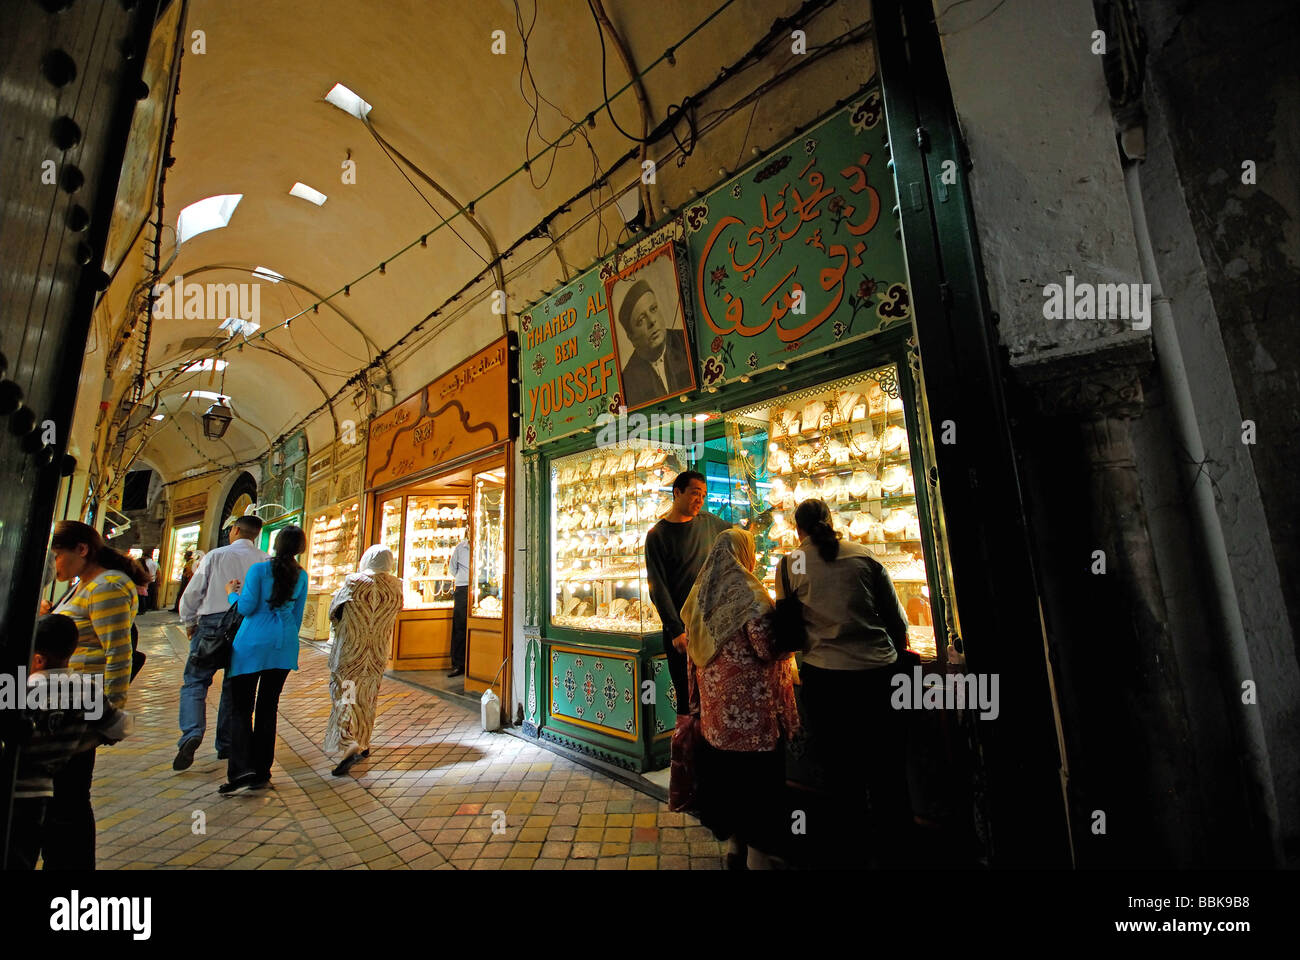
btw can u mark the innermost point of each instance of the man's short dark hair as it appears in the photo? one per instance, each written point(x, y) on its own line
point(684, 479)
point(56, 638)
point(249, 525)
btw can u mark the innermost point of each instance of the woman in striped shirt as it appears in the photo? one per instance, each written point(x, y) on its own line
point(103, 606)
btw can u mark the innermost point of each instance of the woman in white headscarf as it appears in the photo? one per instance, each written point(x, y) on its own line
point(362, 612)
point(745, 690)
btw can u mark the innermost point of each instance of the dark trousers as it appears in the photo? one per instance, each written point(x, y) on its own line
point(255, 699)
point(677, 670)
point(459, 627)
point(68, 839)
point(25, 834)
point(860, 741)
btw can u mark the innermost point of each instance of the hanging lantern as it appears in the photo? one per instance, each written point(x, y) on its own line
point(217, 420)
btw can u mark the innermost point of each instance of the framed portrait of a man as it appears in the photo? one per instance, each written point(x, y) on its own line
point(651, 342)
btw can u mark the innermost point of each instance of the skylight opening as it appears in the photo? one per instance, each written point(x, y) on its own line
point(266, 273)
point(347, 101)
point(234, 326)
point(301, 189)
point(205, 395)
point(159, 416)
point(201, 216)
point(210, 364)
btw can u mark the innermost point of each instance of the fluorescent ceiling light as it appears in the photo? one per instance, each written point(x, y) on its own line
point(266, 273)
point(203, 215)
point(347, 101)
point(200, 365)
point(235, 326)
point(301, 189)
point(206, 395)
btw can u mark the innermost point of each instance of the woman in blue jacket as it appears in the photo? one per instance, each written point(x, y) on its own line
point(271, 601)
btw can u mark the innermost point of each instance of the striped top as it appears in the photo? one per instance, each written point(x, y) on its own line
point(103, 609)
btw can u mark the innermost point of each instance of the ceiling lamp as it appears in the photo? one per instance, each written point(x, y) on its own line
point(305, 192)
point(217, 420)
point(211, 213)
point(347, 101)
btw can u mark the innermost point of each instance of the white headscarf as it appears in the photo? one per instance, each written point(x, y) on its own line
point(725, 597)
point(375, 562)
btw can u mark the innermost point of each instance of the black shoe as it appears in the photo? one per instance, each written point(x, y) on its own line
point(346, 764)
point(234, 786)
point(366, 752)
point(261, 784)
point(457, 672)
point(223, 754)
point(185, 755)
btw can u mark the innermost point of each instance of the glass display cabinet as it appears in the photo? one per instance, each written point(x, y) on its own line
point(434, 526)
point(603, 502)
point(847, 444)
point(332, 554)
point(487, 566)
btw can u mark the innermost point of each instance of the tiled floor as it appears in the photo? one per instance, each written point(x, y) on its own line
point(436, 793)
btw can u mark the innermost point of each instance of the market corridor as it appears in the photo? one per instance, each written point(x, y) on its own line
point(425, 799)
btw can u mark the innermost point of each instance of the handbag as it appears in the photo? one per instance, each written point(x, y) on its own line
point(789, 630)
point(682, 773)
point(214, 648)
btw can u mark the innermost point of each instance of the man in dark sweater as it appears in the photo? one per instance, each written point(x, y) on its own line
point(675, 550)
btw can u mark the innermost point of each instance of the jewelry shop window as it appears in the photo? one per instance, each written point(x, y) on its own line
point(603, 502)
point(846, 443)
point(434, 525)
point(489, 543)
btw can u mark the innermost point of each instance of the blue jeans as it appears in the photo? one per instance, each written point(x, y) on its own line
point(194, 693)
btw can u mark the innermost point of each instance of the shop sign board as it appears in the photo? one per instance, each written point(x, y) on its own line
point(195, 503)
point(571, 342)
point(800, 252)
point(465, 410)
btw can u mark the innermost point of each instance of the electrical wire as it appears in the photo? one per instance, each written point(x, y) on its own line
point(727, 72)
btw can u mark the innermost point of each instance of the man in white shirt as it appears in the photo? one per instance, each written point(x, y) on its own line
point(201, 608)
point(458, 568)
point(151, 591)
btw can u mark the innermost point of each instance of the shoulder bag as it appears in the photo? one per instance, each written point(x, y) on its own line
point(214, 648)
point(789, 630)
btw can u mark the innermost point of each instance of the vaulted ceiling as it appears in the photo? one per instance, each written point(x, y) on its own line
point(251, 119)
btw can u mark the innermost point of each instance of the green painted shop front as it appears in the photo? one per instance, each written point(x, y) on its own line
point(792, 291)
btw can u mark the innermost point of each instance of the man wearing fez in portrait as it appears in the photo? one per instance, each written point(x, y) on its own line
point(659, 365)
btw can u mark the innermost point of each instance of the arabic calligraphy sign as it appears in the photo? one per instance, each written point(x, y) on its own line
point(799, 253)
point(465, 410)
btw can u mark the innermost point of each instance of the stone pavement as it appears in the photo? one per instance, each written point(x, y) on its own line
point(427, 798)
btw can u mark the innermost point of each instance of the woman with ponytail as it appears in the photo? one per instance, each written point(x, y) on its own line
point(857, 631)
point(103, 606)
point(271, 602)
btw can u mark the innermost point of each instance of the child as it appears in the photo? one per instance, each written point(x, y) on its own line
point(59, 734)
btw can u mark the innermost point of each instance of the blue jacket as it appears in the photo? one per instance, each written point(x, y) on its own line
point(267, 639)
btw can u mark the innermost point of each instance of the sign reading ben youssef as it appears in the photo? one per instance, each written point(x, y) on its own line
point(568, 367)
point(799, 253)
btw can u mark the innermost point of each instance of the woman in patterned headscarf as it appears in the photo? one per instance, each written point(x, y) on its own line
point(746, 700)
point(363, 612)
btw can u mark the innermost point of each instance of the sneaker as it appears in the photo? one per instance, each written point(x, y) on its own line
point(185, 755)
